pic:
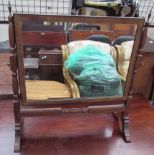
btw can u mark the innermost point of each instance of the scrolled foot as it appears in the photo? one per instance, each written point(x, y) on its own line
point(125, 129)
point(127, 136)
point(17, 137)
point(17, 143)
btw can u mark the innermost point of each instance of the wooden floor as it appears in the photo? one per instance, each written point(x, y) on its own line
point(79, 134)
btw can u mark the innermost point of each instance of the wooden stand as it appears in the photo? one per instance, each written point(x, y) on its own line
point(27, 108)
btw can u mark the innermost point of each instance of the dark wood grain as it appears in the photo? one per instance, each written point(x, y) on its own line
point(77, 19)
point(143, 79)
point(5, 77)
point(50, 57)
point(44, 38)
point(51, 72)
point(123, 30)
point(50, 65)
point(11, 32)
point(70, 134)
point(144, 37)
point(135, 51)
point(83, 34)
point(15, 87)
point(29, 112)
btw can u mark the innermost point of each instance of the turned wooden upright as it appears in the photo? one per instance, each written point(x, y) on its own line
point(15, 83)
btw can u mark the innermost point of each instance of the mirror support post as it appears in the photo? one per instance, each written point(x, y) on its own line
point(15, 87)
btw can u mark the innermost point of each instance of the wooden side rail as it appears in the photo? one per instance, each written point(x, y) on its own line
point(28, 112)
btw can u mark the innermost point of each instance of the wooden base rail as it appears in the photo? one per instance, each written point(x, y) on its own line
point(28, 112)
point(77, 101)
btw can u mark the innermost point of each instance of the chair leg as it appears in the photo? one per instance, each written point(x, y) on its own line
point(18, 126)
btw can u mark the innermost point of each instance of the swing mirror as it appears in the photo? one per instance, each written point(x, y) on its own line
point(76, 58)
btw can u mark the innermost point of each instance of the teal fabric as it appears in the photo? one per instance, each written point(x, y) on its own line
point(99, 81)
point(86, 57)
point(95, 72)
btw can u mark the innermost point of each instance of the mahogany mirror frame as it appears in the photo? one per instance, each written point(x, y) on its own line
point(27, 108)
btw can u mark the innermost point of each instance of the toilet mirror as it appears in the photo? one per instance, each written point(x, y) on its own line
point(76, 58)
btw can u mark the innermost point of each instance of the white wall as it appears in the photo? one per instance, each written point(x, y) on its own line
point(53, 7)
point(4, 32)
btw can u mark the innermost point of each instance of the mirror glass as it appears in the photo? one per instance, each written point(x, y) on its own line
point(93, 61)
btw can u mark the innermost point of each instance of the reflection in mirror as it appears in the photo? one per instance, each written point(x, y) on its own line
point(65, 60)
